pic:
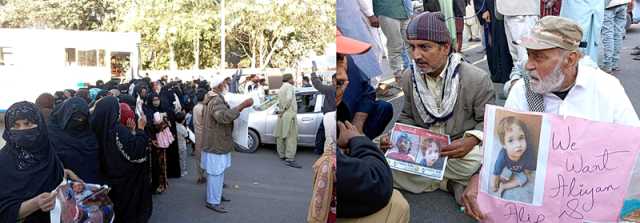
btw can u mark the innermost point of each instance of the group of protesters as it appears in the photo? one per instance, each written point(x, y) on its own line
point(549, 67)
point(130, 136)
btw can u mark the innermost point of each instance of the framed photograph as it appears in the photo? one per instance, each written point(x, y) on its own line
point(417, 151)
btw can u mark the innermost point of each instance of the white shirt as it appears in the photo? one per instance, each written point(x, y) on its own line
point(183, 134)
point(596, 96)
point(617, 2)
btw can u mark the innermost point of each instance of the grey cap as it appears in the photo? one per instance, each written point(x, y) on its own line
point(551, 32)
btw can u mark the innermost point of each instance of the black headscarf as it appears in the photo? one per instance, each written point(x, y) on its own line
point(139, 85)
point(74, 142)
point(167, 98)
point(148, 107)
point(123, 162)
point(28, 164)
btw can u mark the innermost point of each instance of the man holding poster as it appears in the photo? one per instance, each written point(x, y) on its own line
point(557, 84)
point(444, 95)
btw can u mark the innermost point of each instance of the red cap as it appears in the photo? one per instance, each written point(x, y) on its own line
point(346, 45)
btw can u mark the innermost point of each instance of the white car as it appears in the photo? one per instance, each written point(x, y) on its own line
point(262, 122)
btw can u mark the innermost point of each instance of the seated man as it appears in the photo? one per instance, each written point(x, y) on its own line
point(363, 186)
point(445, 95)
point(556, 82)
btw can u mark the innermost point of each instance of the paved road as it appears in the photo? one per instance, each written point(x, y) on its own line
point(260, 187)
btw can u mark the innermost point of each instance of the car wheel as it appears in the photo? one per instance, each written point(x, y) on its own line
point(253, 143)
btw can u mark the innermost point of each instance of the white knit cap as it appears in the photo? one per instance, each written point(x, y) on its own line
point(218, 79)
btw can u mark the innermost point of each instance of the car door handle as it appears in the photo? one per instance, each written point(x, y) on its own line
point(307, 119)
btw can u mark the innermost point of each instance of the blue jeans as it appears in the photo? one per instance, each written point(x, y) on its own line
point(613, 30)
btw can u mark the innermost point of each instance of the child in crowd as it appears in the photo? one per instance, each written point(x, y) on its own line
point(516, 159)
point(182, 134)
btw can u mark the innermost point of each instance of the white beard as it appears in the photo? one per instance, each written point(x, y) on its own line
point(551, 83)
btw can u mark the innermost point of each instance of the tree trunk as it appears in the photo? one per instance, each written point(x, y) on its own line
point(172, 58)
point(196, 53)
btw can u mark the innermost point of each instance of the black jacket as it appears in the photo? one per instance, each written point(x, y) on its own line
point(364, 182)
point(329, 92)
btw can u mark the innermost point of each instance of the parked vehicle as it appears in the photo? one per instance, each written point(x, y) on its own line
point(262, 122)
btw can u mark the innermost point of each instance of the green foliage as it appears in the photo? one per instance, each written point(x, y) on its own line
point(263, 33)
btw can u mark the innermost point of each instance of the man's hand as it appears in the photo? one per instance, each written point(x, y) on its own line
point(359, 120)
point(486, 16)
point(347, 132)
point(247, 103)
point(469, 199)
point(460, 147)
point(385, 142)
point(373, 21)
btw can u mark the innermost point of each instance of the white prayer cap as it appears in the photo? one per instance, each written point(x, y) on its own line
point(218, 79)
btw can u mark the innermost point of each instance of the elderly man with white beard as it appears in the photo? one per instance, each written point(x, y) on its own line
point(554, 81)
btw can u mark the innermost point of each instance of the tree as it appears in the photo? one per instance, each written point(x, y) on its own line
point(276, 33)
point(59, 14)
point(184, 34)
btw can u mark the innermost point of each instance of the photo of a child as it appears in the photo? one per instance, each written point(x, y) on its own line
point(402, 148)
point(429, 153)
point(515, 161)
point(82, 202)
point(514, 156)
point(417, 151)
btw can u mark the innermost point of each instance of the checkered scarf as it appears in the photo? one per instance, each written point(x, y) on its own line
point(425, 100)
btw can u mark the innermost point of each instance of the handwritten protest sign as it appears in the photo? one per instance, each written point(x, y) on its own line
point(570, 170)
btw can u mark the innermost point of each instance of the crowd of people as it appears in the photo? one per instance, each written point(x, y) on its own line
point(132, 137)
point(551, 65)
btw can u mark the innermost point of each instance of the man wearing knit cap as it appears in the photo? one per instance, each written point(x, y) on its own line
point(445, 95)
point(287, 128)
point(555, 82)
point(217, 142)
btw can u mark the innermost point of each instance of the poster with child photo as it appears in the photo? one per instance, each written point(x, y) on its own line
point(417, 151)
point(78, 202)
point(513, 158)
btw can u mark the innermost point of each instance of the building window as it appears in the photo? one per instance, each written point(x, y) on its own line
point(70, 56)
point(101, 60)
point(6, 56)
point(87, 58)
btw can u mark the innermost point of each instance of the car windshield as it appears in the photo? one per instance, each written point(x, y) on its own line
point(270, 101)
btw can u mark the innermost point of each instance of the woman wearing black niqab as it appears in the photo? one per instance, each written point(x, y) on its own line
point(29, 168)
point(123, 162)
point(74, 143)
point(167, 98)
point(159, 183)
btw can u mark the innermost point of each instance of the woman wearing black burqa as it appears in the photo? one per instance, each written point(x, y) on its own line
point(159, 181)
point(167, 99)
point(29, 167)
point(123, 161)
point(74, 142)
